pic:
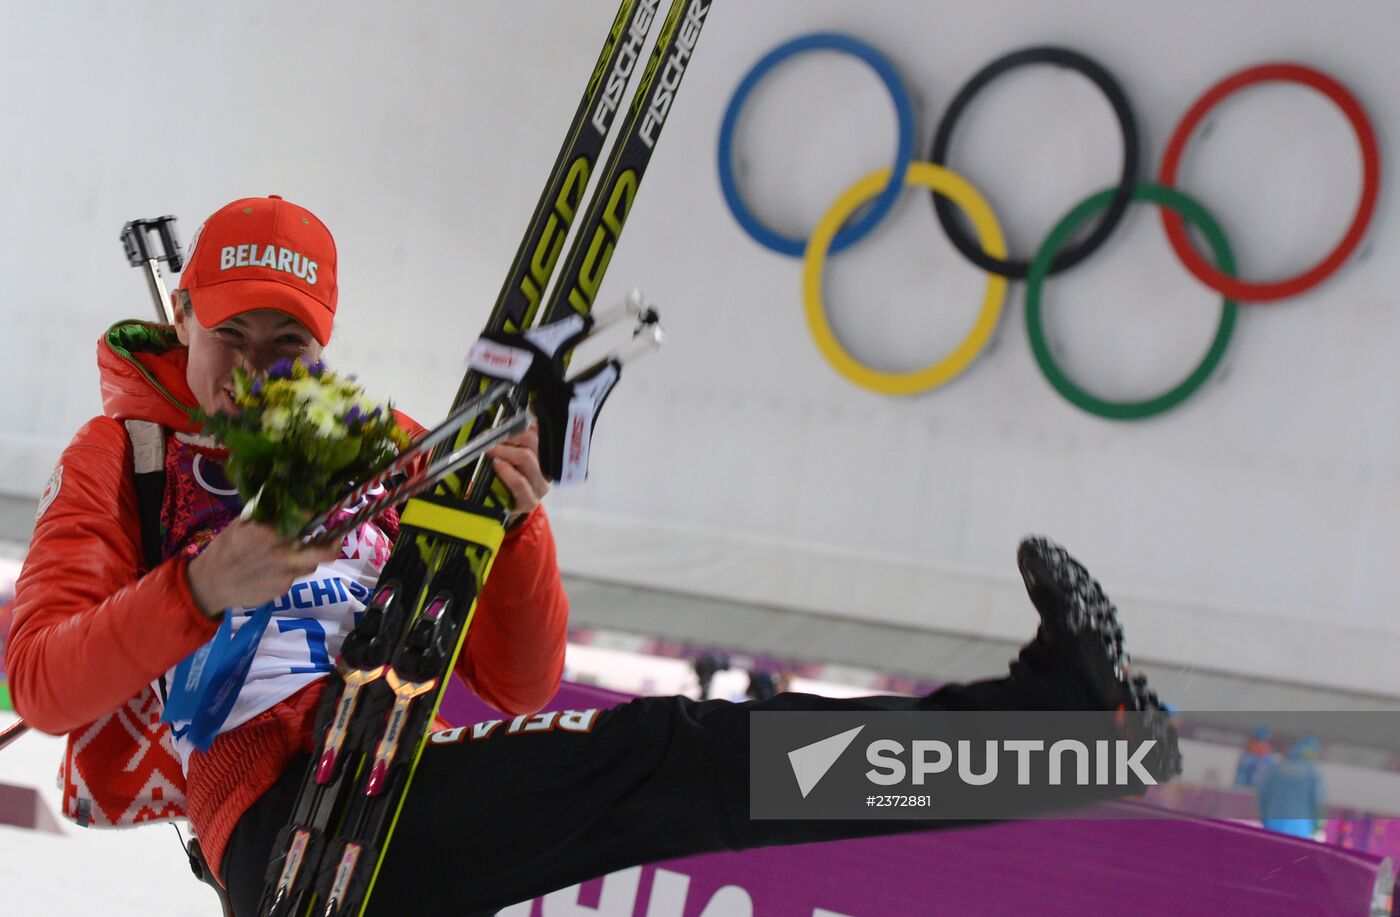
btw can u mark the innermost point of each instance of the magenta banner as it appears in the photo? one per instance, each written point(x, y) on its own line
point(1148, 864)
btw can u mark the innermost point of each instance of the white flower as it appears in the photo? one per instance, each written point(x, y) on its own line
point(276, 419)
point(322, 417)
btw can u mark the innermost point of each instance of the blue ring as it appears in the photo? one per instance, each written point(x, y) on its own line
point(904, 154)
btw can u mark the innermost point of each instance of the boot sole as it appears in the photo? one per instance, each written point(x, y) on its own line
point(1081, 623)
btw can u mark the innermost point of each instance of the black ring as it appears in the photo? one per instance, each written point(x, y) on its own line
point(1122, 196)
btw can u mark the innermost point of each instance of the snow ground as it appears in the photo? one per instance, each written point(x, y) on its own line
point(140, 872)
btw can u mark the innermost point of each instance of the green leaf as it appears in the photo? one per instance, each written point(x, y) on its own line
point(341, 453)
point(250, 445)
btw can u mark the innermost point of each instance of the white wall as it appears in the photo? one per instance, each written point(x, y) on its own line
point(1252, 530)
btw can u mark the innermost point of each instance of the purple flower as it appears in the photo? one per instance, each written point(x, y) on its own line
point(256, 388)
point(374, 415)
point(353, 416)
point(282, 369)
point(315, 369)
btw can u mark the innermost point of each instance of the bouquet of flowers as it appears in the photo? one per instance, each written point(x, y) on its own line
point(302, 438)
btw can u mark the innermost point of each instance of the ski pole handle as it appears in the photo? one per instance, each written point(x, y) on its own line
point(136, 242)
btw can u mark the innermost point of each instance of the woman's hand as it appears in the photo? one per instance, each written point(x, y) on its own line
point(248, 564)
point(516, 461)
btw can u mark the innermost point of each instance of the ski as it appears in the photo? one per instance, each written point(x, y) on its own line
point(394, 666)
point(423, 661)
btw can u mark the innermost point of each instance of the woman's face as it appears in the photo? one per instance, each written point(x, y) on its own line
point(254, 341)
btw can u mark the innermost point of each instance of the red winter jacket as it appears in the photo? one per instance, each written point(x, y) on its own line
point(92, 629)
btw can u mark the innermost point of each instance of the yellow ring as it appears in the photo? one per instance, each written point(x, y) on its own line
point(958, 190)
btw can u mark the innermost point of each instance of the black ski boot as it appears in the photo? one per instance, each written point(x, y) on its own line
point(1079, 631)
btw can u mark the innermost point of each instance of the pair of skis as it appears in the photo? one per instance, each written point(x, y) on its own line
point(394, 666)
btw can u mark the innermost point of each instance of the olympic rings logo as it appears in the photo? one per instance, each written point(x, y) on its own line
point(836, 231)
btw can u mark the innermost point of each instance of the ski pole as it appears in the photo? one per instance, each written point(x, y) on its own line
point(399, 481)
point(12, 732)
point(327, 527)
point(647, 333)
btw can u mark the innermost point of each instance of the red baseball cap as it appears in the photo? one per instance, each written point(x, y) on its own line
point(263, 253)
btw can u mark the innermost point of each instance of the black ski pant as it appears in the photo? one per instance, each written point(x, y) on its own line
point(511, 815)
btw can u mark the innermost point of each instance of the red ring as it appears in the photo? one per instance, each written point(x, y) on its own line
point(1266, 291)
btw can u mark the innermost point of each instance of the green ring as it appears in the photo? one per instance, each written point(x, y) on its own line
point(1195, 214)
